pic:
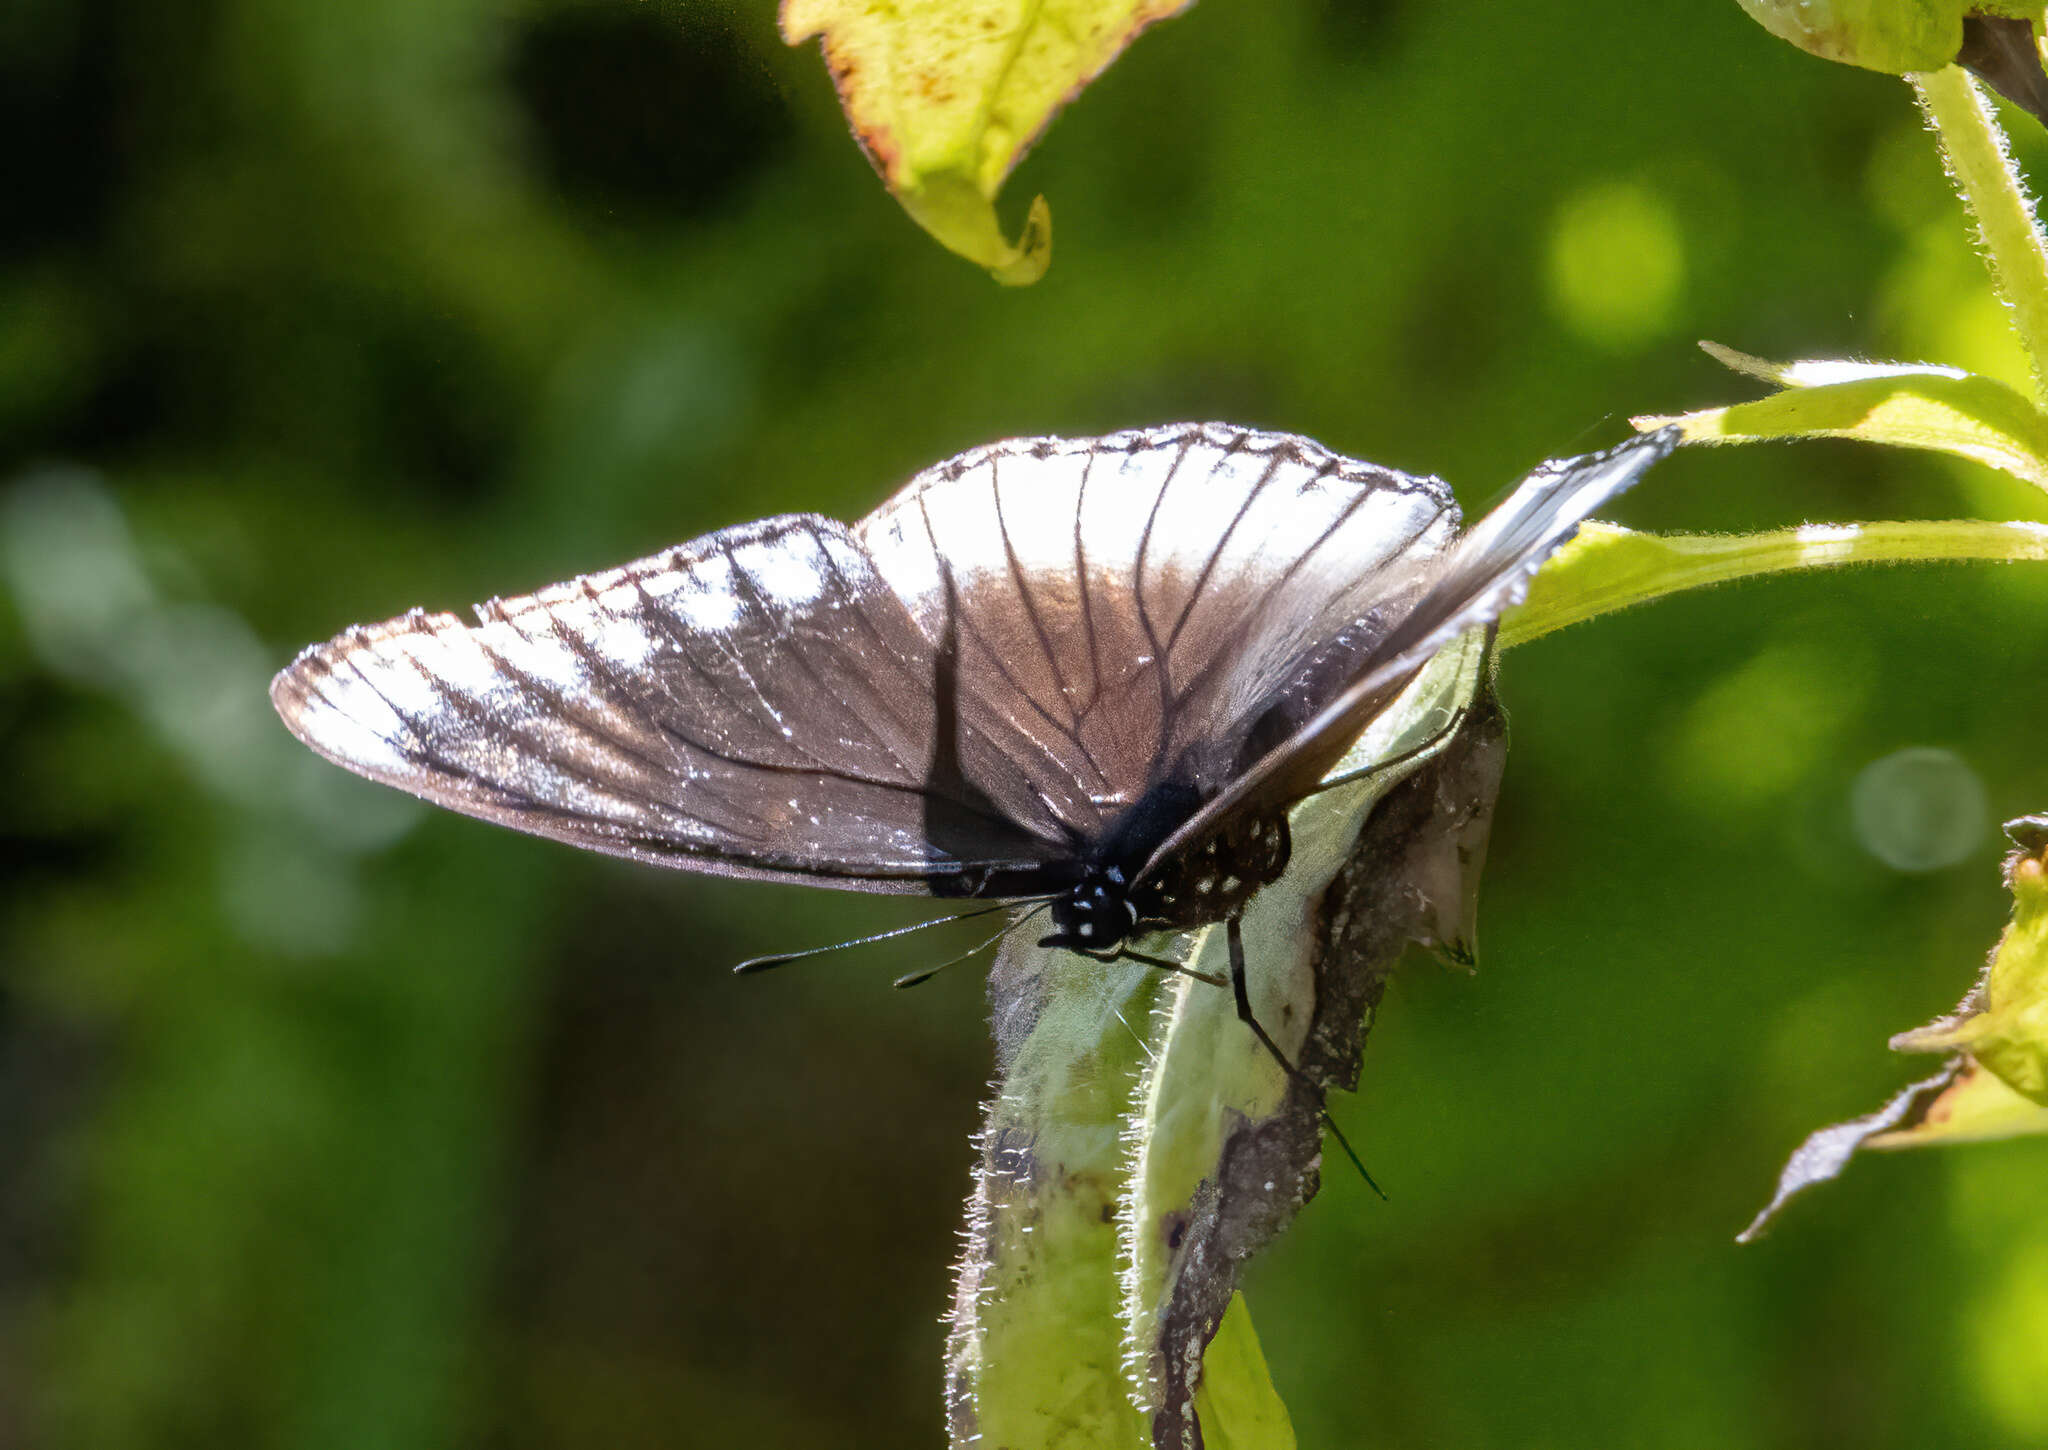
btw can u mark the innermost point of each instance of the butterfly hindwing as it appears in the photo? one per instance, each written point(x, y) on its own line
point(1123, 603)
point(1483, 574)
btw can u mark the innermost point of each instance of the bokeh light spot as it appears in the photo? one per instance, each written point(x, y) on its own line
point(1752, 735)
point(1617, 264)
point(1919, 809)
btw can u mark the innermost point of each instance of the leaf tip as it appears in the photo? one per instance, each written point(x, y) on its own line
point(1738, 361)
point(1033, 252)
point(799, 20)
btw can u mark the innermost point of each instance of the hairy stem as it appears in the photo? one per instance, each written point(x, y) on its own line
point(1980, 161)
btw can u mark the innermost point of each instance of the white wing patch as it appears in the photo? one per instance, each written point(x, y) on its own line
point(789, 570)
point(626, 643)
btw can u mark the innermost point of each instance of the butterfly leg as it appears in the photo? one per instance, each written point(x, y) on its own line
point(1163, 964)
point(1351, 777)
point(1233, 929)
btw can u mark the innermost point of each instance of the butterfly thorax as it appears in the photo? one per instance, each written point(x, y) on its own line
point(1207, 884)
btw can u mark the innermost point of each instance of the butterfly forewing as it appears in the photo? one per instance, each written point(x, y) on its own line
point(755, 703)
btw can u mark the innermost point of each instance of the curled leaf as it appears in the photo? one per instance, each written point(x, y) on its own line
point(1940, 409)
point(1224, 1150)
point(1996, 1084)
point(1973, 1106)
point(946, 96)
point(2003, 1023)
point(1827, 1151)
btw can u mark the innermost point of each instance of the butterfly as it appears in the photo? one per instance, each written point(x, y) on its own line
point(1087, 673)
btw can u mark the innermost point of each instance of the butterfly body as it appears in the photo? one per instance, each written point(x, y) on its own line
point(1206, 885)
point(1093, 673)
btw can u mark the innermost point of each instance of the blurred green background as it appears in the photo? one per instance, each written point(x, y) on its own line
point(330, 1122)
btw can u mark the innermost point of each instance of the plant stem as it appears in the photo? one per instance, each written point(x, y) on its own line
point(1980, 161)
point(1608, 568)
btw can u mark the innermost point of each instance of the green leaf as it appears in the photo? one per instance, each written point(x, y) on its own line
point(1940, 409)
point(1238, 1406)
point(1207, 1077)
point(1606, 567)
point(1896, 36)
point(1141, 1145)
point(1034, 1354)
point(946, 96)
point(1996, 1083)
point(2003, 1023)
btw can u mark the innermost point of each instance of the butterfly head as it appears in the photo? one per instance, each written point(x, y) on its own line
point(1096, 915)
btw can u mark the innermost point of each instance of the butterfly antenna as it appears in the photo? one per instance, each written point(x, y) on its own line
point(1234, 931)
point(783, 959)
point(913, 979)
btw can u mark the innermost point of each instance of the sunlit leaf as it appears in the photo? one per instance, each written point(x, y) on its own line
point(1237, 1404)
point(1996, 1083)
point(1896, 36)
point(2003, 1024)
point(946, 96)
point(1606, 568)
point(1142, 1146)
point(1976, 1106)
point(1214, 1173)
point(1941, 409)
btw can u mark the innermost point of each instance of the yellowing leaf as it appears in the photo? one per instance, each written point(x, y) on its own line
point(946, 96)
point(1996, 1084)
point(1896, 36)
point(1976, 1107)
point(2003, 1023)
point(1941, 409)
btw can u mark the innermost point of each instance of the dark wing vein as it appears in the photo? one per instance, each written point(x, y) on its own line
point(966, 625)
point(755, 599)
point(882, 698)
point(1222, 543)
point(970, 629)
point(594, 660)
point(1087, 606)
point(419, 750)
point(1166, 703)
point(1269, 588)
point(1059, 677)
